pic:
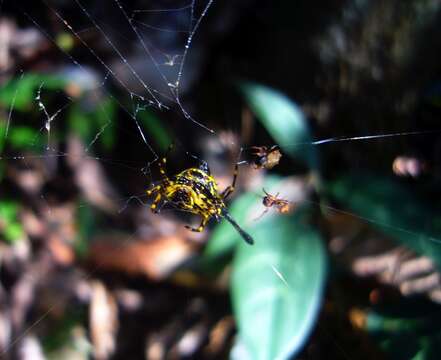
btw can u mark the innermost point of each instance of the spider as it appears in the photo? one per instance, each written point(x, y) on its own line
point(194, 190)
point(281, 205)
point(266, 157)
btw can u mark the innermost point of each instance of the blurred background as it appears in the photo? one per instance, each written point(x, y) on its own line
point(332, 113)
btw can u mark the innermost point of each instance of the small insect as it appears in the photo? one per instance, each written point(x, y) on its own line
point(171, 60)
point(281, 205)
point(194, 190)
point(265, 157)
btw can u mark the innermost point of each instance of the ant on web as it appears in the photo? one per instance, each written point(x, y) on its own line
point(282, 206)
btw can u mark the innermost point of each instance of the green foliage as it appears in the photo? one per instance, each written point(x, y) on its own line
point(284, 120)
point(90, 122)
point(60, 333)
point(156, 129)
point(2, 133)
point(392, 209)
point(19, 95)
point(25, 138)
point(10, 226)
point(409, 330)
point(277, 286)
point(280, 277)
point(20, 92)
point(223, 241)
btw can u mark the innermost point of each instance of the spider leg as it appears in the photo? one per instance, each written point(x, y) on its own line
point(153, 190)
point(229, 189)
point(154, 206)
point(201, 227)
point(162, 166)
point(227, 192)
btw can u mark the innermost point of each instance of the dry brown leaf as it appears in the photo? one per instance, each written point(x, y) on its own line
point(219, 335)
point(156, 259)
point(90, 177)
point(103, 320)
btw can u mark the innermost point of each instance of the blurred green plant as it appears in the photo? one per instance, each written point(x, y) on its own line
point(86, 219)
point(277, 284)
point(19, 93)
point(392, 208)
point(408, 329)
point(155, 128)
point(285, 122)
point(94, 123)
point(10, 226)
point(61, 335)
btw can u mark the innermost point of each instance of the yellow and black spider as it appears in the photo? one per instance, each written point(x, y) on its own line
point(194, 190)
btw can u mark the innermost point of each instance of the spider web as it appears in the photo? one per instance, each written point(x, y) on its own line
point(164, 67)
point(157, 83)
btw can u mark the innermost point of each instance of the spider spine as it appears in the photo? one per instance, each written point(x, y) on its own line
point(247, 237)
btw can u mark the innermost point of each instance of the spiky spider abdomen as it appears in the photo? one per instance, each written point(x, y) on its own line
point(194, 190)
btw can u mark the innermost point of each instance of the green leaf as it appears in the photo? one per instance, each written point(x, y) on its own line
point(277, 286)
point(406, 331)
point(86, 229)
point(155, 127)
point(224, 238)
point(8, 210)
point(105, 115)
point(90, 123)
point(391, 208)
point(20, 92)
point(2, 133)
point(380, 324)
point(60, 331)
point(12, 229)
point(284, 120)
point(81, 123)
point(24, 137)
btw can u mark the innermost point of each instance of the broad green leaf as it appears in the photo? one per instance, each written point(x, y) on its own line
point(277, 286)
point(392, 209)
point(219, 250)
point(284, 120)
point(225, 238)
